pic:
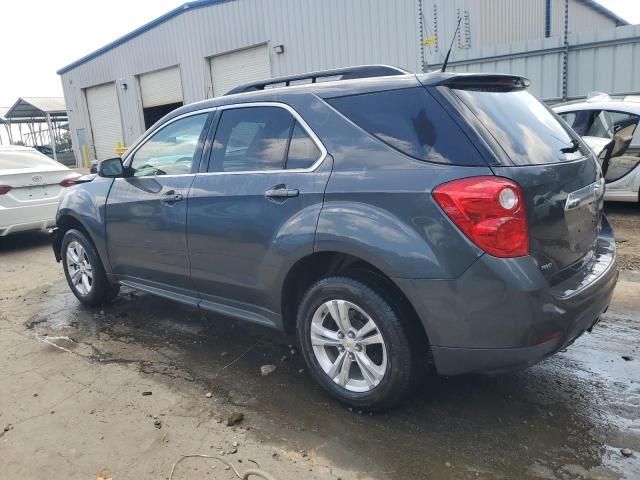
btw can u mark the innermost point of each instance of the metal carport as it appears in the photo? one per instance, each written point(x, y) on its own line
point(39, 110)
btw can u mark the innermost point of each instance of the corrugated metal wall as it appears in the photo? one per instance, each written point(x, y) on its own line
point(499, 22)
point(316, 35)
point(324, 34)
point(581, 18)
point(606, 60)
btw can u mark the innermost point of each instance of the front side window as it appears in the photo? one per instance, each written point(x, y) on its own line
point(261, 138)
point(170, 151)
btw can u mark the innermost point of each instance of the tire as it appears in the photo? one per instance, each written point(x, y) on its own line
point(362, 303)
point(97, 289)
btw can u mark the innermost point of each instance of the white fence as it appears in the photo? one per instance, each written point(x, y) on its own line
point(605, 60)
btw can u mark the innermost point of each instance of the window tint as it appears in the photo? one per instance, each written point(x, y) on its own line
point(303, 152)
point(170, 151)
point(528, 131)
point(580, 120)
point(411, 121)
point(602, 125)
point(250, 139)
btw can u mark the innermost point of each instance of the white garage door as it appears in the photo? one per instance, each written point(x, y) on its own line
point(161, 87)
point(233, 69)
point(104, 115)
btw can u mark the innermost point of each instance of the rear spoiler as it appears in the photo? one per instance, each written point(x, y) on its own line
point(484, 82)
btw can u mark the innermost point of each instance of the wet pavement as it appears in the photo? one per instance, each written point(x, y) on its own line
point(566, 418)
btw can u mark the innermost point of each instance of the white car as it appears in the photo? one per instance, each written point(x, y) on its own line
point(31, 186)
point(610, 127)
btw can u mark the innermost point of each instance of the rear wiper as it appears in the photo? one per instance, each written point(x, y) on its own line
point(575, 145)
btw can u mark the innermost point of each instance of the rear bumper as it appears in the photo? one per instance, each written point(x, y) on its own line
point(40, 216)
point(502, 314)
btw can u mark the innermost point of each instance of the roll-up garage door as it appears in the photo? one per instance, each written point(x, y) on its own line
point(232, 69)
point(104, 115)
point(161, 93)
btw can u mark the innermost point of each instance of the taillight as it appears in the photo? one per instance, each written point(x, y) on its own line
point(4, 189)
point(490, 211)
point(68, 182)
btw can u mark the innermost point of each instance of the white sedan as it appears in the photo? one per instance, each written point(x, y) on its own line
point(610, 127)
point(31, 186)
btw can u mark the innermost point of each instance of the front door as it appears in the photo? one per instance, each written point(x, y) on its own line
point(255, 208)
point(146, 212)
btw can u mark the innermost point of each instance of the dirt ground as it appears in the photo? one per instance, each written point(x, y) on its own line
point(75, 383)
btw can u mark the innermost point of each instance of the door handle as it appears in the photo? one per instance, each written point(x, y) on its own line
point(281, 192)
point(171, 197)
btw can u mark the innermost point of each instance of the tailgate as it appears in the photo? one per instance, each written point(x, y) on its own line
point(559, 176)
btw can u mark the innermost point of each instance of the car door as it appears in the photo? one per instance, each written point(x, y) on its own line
point(146, 212)
point(254, 211)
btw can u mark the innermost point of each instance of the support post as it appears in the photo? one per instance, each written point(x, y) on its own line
point(52, 138)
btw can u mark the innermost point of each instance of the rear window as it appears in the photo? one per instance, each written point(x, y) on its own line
point(19, 159)
point(527, 130)
point(410, 121)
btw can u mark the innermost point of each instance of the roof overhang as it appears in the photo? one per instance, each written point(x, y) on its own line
point(605, 11)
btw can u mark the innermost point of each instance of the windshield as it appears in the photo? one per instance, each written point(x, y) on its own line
point(527, 130)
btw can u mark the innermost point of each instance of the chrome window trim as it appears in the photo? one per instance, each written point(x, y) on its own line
point(291, 110)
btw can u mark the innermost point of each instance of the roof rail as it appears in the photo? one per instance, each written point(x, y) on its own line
point(349, 73)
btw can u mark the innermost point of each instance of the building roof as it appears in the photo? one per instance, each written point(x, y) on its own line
point(140, 30)
point(36, 107)
point(205, 3)
point(605, 11)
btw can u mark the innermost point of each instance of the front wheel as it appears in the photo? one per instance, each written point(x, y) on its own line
point(84, 271)
point(354, 343)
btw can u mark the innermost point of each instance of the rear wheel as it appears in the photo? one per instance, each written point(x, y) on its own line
point(84, 271)
point(354, 343)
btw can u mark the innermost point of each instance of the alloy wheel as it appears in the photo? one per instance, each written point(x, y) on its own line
point(79, 267)
point(348, 345)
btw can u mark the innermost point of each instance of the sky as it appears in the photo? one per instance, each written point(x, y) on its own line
point(41, 36)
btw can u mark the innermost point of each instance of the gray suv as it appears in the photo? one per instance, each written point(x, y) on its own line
point(396, 223)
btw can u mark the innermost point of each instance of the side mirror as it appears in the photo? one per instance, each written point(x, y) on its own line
point(111, 168)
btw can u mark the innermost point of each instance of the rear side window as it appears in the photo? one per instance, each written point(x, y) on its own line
point(528, 131)
point(303, 152)
point(410, 121)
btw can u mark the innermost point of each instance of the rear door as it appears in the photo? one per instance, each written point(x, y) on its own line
point(560, 177)
point(256, 207)
point(146, 213)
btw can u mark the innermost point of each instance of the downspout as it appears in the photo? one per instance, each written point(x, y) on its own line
point(547, 19)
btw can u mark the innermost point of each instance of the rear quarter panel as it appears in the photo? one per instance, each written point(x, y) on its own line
point(378, 204)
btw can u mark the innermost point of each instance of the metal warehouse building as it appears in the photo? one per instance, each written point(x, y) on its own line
point(204, 48)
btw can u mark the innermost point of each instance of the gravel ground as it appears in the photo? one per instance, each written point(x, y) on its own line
point(625, 219)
